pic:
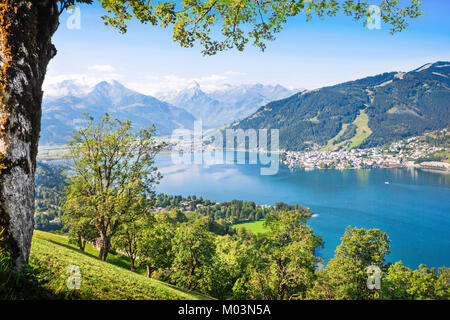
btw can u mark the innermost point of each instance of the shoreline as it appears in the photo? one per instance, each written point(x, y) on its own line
point(57, 153)
point(417, 167)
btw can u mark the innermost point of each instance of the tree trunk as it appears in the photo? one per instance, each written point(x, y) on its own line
point(149, 272)
point(191, 275)
point(280, 291)
point(105, 245)
point(81, 243)
point(26, 28)
point(132, 264)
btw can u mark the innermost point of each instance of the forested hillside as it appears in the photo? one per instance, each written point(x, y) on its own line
point(50, 185)
point(363, 113)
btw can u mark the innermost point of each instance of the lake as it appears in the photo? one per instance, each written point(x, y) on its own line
point(413, 208)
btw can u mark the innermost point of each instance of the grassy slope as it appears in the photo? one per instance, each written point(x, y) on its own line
point(255, 226)
point(52, 254)
point(362, 133)
point(330, 145)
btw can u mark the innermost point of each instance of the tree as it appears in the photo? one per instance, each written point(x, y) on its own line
point(130, 230)
point(26, 29)
point(176, 216)
point(111, 174)
point(287, 258)
point(155, 244)
point(346, 275)
point(234, 258)
point(79, 226)
point(194, 249)
point(402, 283)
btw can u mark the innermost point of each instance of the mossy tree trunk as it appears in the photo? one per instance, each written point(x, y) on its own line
point(26, 28)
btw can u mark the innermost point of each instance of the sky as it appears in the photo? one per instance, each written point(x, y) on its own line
point(305, 55)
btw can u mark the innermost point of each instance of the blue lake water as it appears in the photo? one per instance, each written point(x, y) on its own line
point(413, 209)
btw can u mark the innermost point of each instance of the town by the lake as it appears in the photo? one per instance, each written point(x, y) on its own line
point(412, 152)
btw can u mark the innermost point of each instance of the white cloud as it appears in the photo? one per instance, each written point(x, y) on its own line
point(154, 85)
point(235, 73)
point(147, 84)
point(75, 84)
point(152, 78)
point(103, 68)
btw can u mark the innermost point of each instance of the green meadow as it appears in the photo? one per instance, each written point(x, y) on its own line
point(52, 255)
point(255, 226)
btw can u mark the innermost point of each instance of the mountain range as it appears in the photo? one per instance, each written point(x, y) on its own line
point(225, 105)
point(62, 115)
point(65, 102)
point(364, 113)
